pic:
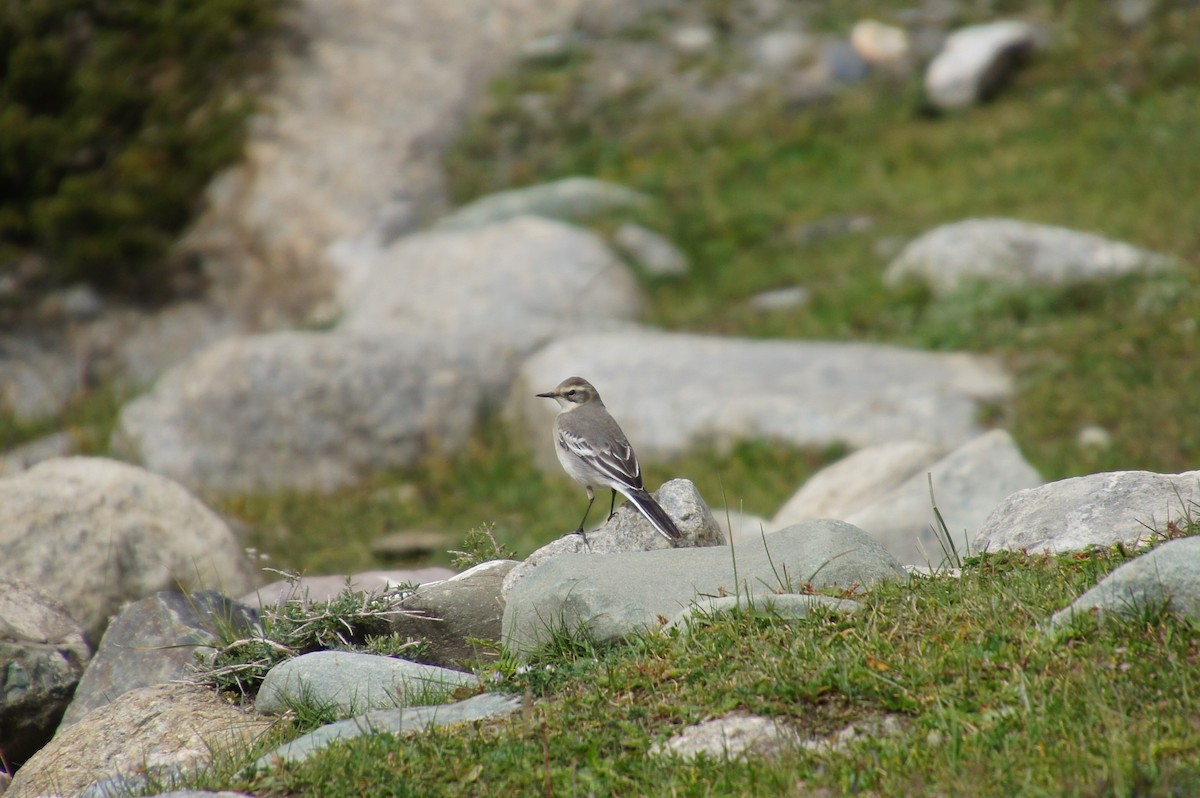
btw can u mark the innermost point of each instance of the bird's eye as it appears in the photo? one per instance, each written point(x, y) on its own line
point(571, 392)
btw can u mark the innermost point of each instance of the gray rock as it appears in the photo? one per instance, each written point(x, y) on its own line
point(350, 683)
point(302, 410)
point(1125, 507)
point(655, 253)
point(409, 720)
point(154, 641)
point(783, 49)
point(740, 526)
point(457, 613)
point(36, 381)
point(780, 299)
point(507, 271)
point(96, 533)
point(783, 605)
point(976, 61)
point(737, 734)
point(574, 198)
point(1165, 578)
point(842, 63)
point(1015, 253)
point(672, 391)
point(856, 481)
point(42, 656)
point(629, 531)
point(614, 595)
point(166, 730)
point(308, 589)
point(968, 483)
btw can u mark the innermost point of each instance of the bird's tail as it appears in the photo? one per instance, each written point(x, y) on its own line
point(654, 512)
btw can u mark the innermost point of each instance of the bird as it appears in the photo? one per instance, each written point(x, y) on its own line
point(595, 453)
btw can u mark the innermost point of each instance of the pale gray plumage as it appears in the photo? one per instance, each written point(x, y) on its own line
point(595, 452)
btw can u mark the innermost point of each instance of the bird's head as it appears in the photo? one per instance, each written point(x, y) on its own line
point(571, 392)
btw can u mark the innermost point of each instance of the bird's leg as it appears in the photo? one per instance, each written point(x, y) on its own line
point(612, 503)
point(591, 498)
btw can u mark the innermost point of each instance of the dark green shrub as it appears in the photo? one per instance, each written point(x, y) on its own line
point(113, 116)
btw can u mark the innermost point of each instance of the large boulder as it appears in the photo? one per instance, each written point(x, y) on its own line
point(1014, 253)
point(968, 483)
point(302, 410)
point(1125, 507)
point(163, 732)
point(96, 533)
point(614, 595)
point(673, 391)
point(489, 279)
point(42, 656)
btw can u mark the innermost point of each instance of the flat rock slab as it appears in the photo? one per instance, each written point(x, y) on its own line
point(350, 683)
point(409, 720)
point(1096, 510)
point(672, 391)
point(614, 595)
point(1014, 253)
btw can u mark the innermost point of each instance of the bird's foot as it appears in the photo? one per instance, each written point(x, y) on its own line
point(583, 535)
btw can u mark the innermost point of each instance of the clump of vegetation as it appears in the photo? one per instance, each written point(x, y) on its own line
point(113, 117)
point(353, 620)
point(480, 546)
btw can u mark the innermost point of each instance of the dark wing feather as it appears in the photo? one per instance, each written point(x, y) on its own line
point(616, 461)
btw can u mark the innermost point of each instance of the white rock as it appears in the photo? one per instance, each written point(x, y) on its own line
point(489, 279)
point(572, 198)
point(783, 49)
point(1096, 510)
point(692, 39)
point(96, 533)
point(731, 736)
point(671, 392)
point(975, 61)
point(856, 481)
point(780, 299)
point(1011, 252)
point(656, 254)
point(968, 483)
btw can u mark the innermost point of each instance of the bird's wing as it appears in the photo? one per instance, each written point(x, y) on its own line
point(614, 458)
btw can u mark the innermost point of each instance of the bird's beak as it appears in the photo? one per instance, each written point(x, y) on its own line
point(547, 395)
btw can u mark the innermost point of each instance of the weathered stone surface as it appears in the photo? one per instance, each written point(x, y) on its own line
point(56, 444)
point(1014, 253)
point(409, 720)
point(856, 481)
point(614, 595)
point(655, 253)
point(301, 410)
point(351, 683)
point(154, 641)
point(976, 61)
point(881, 45)
point(672, 391)
point(737, 734)
point(629, 531)
point(1166, 577)
point(968, 483)
point(456, 613)
point(164, 730)
point(572, 198)
point(506, 272)
point(42, 656)
point(1095, 510)
point(96, 533)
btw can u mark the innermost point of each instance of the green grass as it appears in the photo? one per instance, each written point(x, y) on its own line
point(988, 703)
